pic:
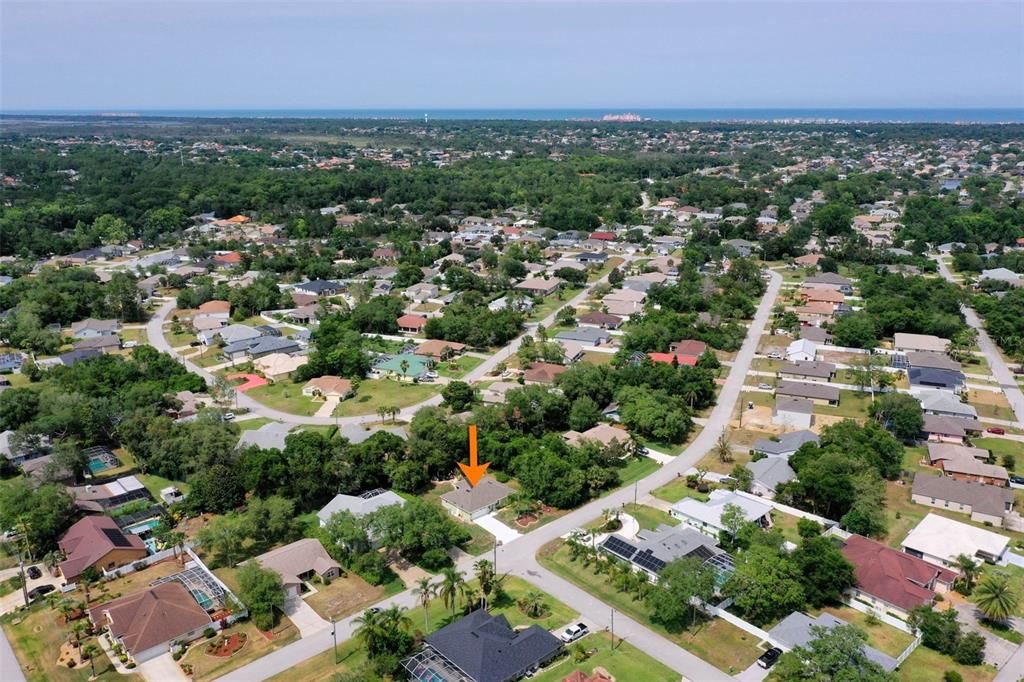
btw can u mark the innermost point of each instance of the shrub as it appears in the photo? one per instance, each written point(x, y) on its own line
point(970, 650)
point(130, 665)
point(435, 559)
point(952, 676)
point(177, 655)
point(872, 620)
point(139, 565)
point(209, 632)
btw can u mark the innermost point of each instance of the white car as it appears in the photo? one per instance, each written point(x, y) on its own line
point(765, 387)
point(574, 632)
point(228, 416)
point(775, 356)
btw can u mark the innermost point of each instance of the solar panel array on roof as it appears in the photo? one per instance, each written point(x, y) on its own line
point(619, 547)
point(702, 552)
point(648, 561)
point(373, 493)
point(116, 537)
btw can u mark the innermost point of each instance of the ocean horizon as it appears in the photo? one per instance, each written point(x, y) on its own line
point(696, 115)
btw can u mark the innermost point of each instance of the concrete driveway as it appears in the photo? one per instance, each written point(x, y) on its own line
point(491, 524)
point(754, 673)
point(305, 618)
point(997, 650)
point(16, 599)
point(163, 668)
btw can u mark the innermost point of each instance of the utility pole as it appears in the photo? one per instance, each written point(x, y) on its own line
point(334, 634)
point(613, 631)
point(635, 484)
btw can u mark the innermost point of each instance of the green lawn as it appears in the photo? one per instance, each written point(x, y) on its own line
point(137, 335)
point(253, 424)
point(463, 366)
point(650, 518)
point(787, 523)
point(677, 490)
point(721, 644)
point(1016, 575)
point(635, 469)
point(379, 392)
point(927, 665)
point(851, 404)
point(595, 358)
point(154, 484)
point(286, 397)
point(1001, 447)
point(625, 662)
point(552, 303)
point(885, 638)
point(257, 645)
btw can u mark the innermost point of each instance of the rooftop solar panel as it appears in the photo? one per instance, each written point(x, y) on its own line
point(116, 537)
point(619, 547)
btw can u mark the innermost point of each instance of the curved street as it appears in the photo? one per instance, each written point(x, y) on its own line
point(519, 557)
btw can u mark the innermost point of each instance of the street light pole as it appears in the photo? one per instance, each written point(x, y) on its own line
point(613, 631)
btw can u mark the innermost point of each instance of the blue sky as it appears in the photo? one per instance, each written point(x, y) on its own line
point(218, 54)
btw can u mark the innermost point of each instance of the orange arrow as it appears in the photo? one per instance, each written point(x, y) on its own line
point(473, 471)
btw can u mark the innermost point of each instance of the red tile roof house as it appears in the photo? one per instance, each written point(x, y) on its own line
point(668, 358)
point(150, 622)
point(543, 373)
point(229, 258)
point(891, 580)
point(411, 324)
point(97, 541)
point(603, 236)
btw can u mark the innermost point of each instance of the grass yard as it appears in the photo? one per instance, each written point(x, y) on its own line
point(927, 665)
point(852, 405)
point(379, 392)
point(650, 518)
point(609, 265)
point(1001, 447)
point(721, 644)
point(286, 397)
point(462, 366)
point(766, 365)
point(479, 541)
point(552, 303)
point(154, 484)
point(544, 517)
point(345, 596)
point(787, 524)
point(595, 358)
point(624, 662)
point(138, 335)
point(323, 667)
point(328, 431)
point(257, 645)
point(677, 490)
point(635, 469)
point(252, 424)
point(885, 638)
point(36, 636)
point(558, 614)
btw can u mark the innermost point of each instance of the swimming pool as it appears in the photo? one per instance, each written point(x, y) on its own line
point(100, 463)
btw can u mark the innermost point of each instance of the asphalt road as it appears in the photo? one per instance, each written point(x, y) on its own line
point(1000, 371)
point(519, 557)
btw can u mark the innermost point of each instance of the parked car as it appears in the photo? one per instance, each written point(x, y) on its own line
point(228, 416)
point(998, 430)
point(769, 658)
point(1019, 480)
point(764, 386)
point(774, 355)
point(574, 632)
point(37, 593)
point(34, 573)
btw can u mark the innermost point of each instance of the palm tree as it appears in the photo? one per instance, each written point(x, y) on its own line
point(66, 608)
point(89, 651)
point(78, 628)
point(371, 632)
point(425, 591)
point(532, 604)
point(471, 594)
point(969, 570)
point(723, 448)
point(404, 366)
point(996, 598)
point(485, 576)
point(451, 584)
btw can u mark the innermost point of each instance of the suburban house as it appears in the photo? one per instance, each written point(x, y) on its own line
point(89, 328)
point(707, 516)
point(587, 336)
point(625, 295)
point(439, 350)
point(905, 343)
point(25, 450)
point(214, 309)
point(521, 304)
point(793, 413)
point(481, 647)
point(796, 630)
point(104, 344)
point(966, 464)
point(940, 541)
point(538, 286)
point(817, 294)
point(673, 358)
point(822, 372)
point(939, 429)
point(232, 333)
point(495, 393)
point(258, 347)
point(652, 550)
point(411, 324)
point(946, 404)
point(819, 394)
point(468, 502)
point(359, 505)
point(932, 360)
point(600, 320)
point(830, 280)
point(603, 434)
point(404, 366)
point(278, 366)
point(801, 350)
point(298, 562)
point(985, 503)
point(319, 288)
point(936, 379)
point(111, 495)
point(421, 292)
point(542, 372)
point(150, 622)
point(816, 334)
point(97, 541)
point(769, 473)
point(328, 386)
point(891, 580)
point(786, 444)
